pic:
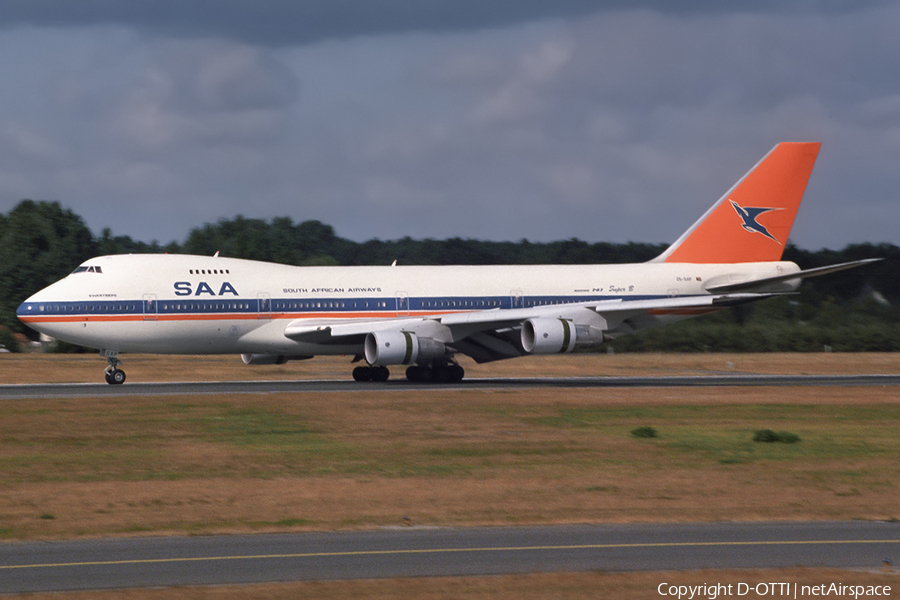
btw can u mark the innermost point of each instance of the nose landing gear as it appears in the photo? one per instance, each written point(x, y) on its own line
point(114, 375)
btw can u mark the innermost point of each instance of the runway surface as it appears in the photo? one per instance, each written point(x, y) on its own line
point(143, 562)
point(83, 390)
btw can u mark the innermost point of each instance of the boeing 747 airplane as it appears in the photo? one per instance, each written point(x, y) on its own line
point(424, 317)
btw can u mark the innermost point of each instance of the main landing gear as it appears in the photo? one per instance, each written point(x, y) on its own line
point(449, 373)
point(114, 375)
point(435, 373)
point(371, 374)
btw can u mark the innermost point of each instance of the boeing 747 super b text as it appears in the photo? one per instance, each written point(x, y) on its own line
point(423, 317)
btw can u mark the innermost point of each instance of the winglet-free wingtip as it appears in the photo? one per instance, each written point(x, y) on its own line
point(753, 220)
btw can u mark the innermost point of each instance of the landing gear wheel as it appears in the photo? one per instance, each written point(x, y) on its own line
point(371, 374)
point(449, 373)
point(115, 377)
point(442, 374)
point(419, 374)
point(456, 373)
point(380, 374)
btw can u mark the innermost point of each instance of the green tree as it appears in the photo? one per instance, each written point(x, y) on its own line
point(40, 242)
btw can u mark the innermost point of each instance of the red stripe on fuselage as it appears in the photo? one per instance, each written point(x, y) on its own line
point(227, 317)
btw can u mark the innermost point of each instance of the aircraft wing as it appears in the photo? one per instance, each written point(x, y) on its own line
point(496, 334)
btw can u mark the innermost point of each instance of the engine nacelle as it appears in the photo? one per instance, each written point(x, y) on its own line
point(548, 336)
point(268, 359)
point(401, 348)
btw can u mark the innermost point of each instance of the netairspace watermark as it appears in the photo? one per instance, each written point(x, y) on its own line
point(712, 591)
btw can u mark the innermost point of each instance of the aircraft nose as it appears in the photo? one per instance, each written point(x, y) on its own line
point(27, 310)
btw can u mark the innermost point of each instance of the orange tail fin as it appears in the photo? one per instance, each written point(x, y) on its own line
point(752, 221)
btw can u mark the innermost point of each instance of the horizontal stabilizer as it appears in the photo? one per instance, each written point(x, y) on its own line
point(746, 286)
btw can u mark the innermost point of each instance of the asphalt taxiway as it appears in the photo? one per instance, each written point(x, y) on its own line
point(409, 552)
point(90, 390)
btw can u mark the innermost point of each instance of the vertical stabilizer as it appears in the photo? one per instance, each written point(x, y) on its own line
point(752, 222)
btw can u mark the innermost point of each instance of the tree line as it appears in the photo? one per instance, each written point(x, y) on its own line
point(41, 242)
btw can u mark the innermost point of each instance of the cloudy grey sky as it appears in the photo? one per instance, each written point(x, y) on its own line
point(617, 120)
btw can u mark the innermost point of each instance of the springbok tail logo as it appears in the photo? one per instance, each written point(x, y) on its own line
point(748, 217)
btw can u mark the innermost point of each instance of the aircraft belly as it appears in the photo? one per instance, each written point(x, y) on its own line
point(185, 337)
point(149, 336)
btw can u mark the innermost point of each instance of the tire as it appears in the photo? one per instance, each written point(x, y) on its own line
point(380, 374)
point(362, 374)
point(456, 373)
point(416, 374)
point(442, 375)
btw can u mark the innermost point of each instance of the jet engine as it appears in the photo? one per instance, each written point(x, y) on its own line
point(548, 336)
point(401, 348)
point(544, 335)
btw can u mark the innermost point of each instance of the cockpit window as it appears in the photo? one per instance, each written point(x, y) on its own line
point(86, 269)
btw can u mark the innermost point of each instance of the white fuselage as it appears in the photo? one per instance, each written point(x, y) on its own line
point(179, 304)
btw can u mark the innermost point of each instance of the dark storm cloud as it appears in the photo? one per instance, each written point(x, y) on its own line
point(211, 77)
point(546, 120)
point(293, 22)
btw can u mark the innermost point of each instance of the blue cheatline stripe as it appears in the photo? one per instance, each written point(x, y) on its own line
point(246, 305)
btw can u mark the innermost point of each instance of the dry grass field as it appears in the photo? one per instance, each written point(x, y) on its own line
point(207, 464)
